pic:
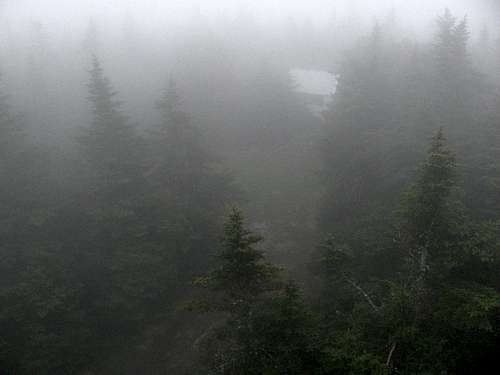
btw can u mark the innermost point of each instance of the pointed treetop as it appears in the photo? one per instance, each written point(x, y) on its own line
point(445, 24)
point(169, 105)
point(243, 274)
point(102, 96)
point(439, 145)
point(428, 206)
point(440, 164)
point(452, 37)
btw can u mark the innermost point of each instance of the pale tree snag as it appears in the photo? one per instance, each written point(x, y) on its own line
point(362, 291)
point(389, 357)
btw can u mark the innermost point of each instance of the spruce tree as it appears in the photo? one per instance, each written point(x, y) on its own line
point(451, 45)
point(30, 294)
point(111, 247)
point(437, 310)
point(243, 275)
point(110, 145)
point(268, 328)
point(281, 337)
point(20, 165)
point(182, 160)
point(188, 188)
point(441, 297)
point(455, 83)
point(432, 216)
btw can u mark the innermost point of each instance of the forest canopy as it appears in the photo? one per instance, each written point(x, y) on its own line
point(227, 193)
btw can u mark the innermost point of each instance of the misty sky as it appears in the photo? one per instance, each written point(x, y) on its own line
point(70, 14)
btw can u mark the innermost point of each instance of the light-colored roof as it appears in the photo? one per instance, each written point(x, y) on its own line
point(316, 82)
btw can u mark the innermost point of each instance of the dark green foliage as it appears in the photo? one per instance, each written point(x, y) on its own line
point(433, 220)
point(451, 45)
point(111, 147)
point(243, 275)
point(99, 247)
point(266, 330)
point(403, 291)
point(280, 337)
point(372, 115)
point(434, 312)
point(24, 265)
point(452, 305)
point(188, 189)
point(285, 336)
point(115, 255)
point(179, 150)
point(75, 295)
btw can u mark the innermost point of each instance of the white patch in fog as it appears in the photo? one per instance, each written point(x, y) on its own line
point(315, 87)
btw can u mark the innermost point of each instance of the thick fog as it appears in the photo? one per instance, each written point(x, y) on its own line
point(249, 187)
point(53, 40)
point(157, 16)
point(152, 12)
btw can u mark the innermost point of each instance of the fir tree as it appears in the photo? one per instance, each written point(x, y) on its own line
point(110, 145)
point(440, 294)
point(182, 161)
point(282, 337)
point(431, 217)
point(268, 329)
point(451, 45)
point(243, 275)
point(433, 312)
point(188, 188)
point(456, 85)
point(29, 293)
